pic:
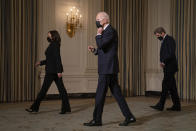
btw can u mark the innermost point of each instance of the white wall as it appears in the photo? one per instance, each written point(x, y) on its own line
point(80, 67)
point(158, 15)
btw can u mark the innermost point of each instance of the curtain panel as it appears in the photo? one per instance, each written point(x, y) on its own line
point(183, 21)
point(18, 49)
point(129, 18)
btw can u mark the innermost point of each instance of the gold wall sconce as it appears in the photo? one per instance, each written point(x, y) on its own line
point(73, 21)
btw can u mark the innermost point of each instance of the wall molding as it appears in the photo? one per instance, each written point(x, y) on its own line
point(158, 15)
point(80, 66)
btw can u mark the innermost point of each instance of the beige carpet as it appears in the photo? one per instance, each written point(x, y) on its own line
point(14, 118)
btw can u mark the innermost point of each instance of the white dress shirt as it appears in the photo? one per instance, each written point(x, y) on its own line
point(104, 28)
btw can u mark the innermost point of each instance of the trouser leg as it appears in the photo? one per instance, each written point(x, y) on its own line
point(63, 94)
point(116, 91)
point(48, 79)
point(100, 97)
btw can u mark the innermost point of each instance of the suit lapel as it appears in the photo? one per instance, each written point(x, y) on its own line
point(107, 28)
point(165, 39)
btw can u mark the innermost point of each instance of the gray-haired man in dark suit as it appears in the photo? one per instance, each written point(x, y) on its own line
point(169, 64)
point(108, 68)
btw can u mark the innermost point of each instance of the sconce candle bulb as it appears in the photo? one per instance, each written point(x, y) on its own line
point(73, 21)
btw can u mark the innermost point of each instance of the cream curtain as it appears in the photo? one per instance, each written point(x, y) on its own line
point(129, 18)
point(183, 21)
point(18, 39)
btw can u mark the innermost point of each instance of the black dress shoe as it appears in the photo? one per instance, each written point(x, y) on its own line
point(126, 122)
point(173, 108)
point(157, 108)
point(31, 110)
point(64, 112)
point(93, 123)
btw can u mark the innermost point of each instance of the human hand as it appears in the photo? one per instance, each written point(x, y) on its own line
point(99, 30)
point(162, 64)
point(37, 63)
point(91, 48)
point(59, 75)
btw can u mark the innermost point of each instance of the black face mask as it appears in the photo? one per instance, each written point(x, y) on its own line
point(98, 24)
point(49, 39)
point(160, 38)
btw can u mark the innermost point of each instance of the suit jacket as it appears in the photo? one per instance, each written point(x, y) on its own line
point(53, 59)
point(167, 54)
point(107, 51)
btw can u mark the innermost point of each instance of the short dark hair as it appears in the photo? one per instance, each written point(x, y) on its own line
point(55, 36)
point(159, 30)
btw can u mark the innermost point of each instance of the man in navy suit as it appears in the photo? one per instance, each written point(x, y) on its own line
point(169, 64)
point(108, 68)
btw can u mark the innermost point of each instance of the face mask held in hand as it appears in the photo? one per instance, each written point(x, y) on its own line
point(160, 38)
point(98, 24)
point(49, 39)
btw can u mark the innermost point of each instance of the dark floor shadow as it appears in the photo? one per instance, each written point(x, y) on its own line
point(75, 109)
point(86, 106)
point(43, 112)
point(112, 123)
point(166, 114)
point(79, 108)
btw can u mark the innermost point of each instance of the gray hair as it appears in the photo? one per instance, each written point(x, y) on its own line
point(159, 30)
point(104, 15)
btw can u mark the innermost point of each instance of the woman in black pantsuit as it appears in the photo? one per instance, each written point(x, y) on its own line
point(54, 69)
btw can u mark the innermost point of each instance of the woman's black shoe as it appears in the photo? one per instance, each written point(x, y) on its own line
point(31, 110)
point(64, 112)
